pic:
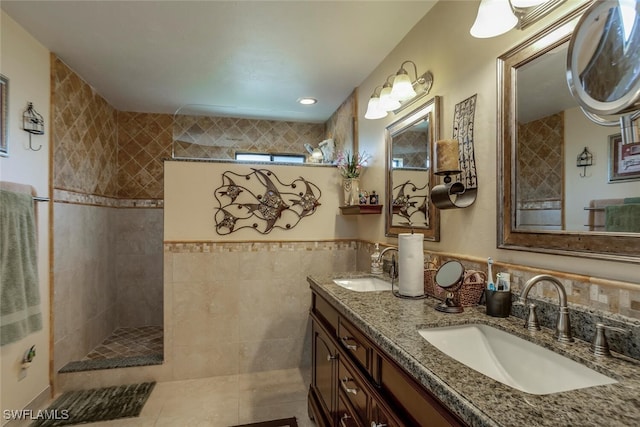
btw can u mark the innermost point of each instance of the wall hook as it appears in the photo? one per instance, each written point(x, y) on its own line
point(585, 158)
point(32, 123)
point(31, 146)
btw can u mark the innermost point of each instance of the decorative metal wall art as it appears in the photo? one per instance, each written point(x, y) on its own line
point(463, 132)
point(461, 193)
point(259, 200)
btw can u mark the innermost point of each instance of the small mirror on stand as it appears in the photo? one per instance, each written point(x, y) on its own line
point(449, 277)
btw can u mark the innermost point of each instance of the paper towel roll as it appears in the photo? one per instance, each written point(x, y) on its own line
point(410, 264)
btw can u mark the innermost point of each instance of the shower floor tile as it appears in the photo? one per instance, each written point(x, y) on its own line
point(129, 342)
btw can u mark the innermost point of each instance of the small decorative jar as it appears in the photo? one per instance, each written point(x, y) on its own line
point(373, 198)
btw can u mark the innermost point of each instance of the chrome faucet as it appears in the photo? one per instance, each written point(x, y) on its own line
point(563, 326)
point(393, 273)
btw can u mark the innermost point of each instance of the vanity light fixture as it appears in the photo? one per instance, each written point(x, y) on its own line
point(387, 101)
point(398, 91)
point(496, 17)
point(374, 111)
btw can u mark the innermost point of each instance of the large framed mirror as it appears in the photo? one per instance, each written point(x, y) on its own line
point(546, 202)
point(409, 143)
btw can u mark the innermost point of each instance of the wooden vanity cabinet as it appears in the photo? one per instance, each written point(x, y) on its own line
point(354, 383)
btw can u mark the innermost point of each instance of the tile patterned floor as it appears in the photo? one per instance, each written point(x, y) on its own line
point(129, 342)
point(224, 401)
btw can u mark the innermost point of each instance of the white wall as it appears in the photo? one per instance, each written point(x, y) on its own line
point(25, 62)
point(463, 66)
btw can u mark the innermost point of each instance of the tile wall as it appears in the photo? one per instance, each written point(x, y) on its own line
point(540, 159)
point(202, 137)
point(243, 307)
point(85, 295)
point(107, 269)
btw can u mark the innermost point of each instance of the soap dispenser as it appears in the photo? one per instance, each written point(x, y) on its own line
point(376, 263)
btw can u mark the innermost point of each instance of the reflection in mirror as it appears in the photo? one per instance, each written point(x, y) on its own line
point(409, 173)
point(550, 205)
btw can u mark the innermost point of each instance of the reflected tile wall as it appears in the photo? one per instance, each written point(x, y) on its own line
point(243, 307)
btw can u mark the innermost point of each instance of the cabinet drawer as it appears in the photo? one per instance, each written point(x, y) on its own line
point(404, 395)
point(355, 343)
point(351, 388)
point(346, 417)
point(325, 313)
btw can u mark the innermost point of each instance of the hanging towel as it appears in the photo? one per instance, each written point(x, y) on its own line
point(20, 312)
point(623, 218)
point(631, 200)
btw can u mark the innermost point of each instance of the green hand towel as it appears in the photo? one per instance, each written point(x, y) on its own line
point(631, 200)
point(623, 218)
point(19, 293)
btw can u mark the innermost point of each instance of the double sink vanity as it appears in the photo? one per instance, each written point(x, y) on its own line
point(379, 360)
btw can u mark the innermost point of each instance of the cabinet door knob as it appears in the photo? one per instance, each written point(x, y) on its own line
point(331, 357)
point(374, 424)
point(343, 384)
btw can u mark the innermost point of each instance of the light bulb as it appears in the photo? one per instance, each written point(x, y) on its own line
point(494, 17)
point(402, 89)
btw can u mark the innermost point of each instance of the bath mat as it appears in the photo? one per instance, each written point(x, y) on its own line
point(284, 422)
point(100, 404)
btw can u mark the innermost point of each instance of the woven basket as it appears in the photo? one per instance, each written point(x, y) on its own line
point(430, 280)
point(468, 295)
point(472, 288)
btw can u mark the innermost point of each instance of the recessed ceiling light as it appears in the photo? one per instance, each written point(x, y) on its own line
point(307, 101)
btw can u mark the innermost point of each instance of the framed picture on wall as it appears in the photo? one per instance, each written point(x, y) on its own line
point(4, 113)
point(624, 160)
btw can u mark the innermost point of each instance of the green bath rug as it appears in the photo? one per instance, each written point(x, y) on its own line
point(101, 404)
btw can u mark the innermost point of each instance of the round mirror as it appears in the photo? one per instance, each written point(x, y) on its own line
point(604, 51)
point(450, 274)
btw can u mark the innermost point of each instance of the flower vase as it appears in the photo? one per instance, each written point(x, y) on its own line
point(351, 188)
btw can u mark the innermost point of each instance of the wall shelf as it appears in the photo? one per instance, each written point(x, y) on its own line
point(361, 210)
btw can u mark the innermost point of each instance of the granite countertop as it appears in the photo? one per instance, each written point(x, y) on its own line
point(393, 324)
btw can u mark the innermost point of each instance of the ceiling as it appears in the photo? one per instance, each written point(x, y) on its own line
point(251, 59)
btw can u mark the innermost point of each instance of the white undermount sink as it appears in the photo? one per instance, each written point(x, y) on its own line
point(511, 360)
point(364, 284)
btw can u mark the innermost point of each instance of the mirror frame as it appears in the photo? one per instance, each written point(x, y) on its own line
point(430, 108)
point(617, 247)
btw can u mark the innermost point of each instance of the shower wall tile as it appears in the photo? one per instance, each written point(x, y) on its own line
point(343, 122)
point(84, 280)
point(138, 265)
point(250, 298)
point(204, 137)
point(84, 136)
point(144, 140)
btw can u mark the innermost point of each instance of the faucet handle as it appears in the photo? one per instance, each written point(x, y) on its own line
point(532, 324)
point(600, 346)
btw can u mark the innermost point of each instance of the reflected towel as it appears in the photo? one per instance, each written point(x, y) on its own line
point(623, 218)
point(19, 293)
